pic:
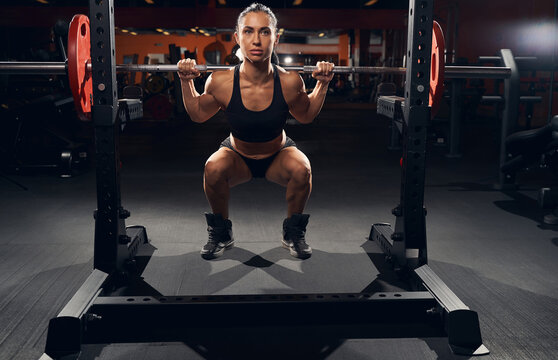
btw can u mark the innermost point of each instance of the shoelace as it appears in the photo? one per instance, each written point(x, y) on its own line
point(295, 235)
point(215, 234)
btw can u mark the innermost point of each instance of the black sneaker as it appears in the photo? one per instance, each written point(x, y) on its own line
point(294, 230)
point(220, 236)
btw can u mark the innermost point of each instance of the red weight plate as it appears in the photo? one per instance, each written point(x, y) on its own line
point(79, 54)
point(437, 69)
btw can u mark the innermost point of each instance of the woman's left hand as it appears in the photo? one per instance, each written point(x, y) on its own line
point(323, 72)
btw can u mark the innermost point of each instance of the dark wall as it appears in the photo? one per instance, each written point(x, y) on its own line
point(485, 26)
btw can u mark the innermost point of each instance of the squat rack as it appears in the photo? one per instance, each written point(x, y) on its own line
point(93, 315)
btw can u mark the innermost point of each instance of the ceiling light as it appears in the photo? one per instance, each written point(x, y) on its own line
point(202, 31)
point(150, 2)
point(159, 30)
point(371, 2)
point(43, 1)
point(193, 30)
point(222, 2)
point(133, 33)
point(297, 2)
point(166, 33)
point(206, 34)
point(321, 34)
point(125, 30)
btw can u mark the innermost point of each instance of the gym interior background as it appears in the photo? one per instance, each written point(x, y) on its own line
point(494, 244)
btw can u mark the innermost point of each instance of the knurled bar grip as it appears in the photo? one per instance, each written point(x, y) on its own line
point(304, 69)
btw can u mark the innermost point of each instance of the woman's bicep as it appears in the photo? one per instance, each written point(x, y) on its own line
point(299, 101)
point(208, 103)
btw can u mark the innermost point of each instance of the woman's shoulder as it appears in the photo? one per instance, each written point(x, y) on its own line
point(223, 75)
point(289, 78)
point(286, 73)
point(218, 79)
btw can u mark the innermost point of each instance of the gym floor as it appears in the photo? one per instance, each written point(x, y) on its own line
point(489, 246)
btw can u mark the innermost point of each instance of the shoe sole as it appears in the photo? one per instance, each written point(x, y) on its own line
point(294, 253)
point(209, 256)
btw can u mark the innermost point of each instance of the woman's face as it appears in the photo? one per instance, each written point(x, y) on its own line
point(256, 37)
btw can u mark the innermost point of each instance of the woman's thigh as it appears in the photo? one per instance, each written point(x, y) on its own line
point(225, 163)
point(289, 162)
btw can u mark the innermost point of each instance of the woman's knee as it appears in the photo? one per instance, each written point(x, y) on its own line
point(215, 171)
point(301, 173)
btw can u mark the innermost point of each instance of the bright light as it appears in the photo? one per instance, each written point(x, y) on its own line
point(150, 2)
point(535, 37)
point(222, 2)
point(133, 33)
point(166, 33)
point(125, 30)
point(371, 2)
point(321, 34)
point(159, 30)
point(193, 30)
point(288, 60)
point(202, 31)
point(206, 34)
point(43, 1)
point(297, 2)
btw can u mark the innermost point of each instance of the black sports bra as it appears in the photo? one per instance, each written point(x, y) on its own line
point(257, 126)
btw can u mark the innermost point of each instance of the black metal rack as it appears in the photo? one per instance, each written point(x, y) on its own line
point(93, 315)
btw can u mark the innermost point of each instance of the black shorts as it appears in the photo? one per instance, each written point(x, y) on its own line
point(258, 167)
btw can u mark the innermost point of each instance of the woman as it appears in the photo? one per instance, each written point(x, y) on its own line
point(256, 97)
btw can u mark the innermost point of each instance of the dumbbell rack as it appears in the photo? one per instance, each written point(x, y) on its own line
point(95, 315)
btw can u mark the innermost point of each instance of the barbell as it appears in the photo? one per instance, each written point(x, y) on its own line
point(78, 67)
point(61, 68)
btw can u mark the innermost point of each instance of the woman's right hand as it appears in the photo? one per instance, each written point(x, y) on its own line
point(187, 69)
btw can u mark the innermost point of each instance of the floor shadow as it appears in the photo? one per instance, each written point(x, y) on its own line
point(322, 270)
point(524, 206)
point(443, 351)
point(266, 343)
point(387, 280)
point(519, 204)
point(258, 262)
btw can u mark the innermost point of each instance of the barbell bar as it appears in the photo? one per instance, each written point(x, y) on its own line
point(60, 68)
